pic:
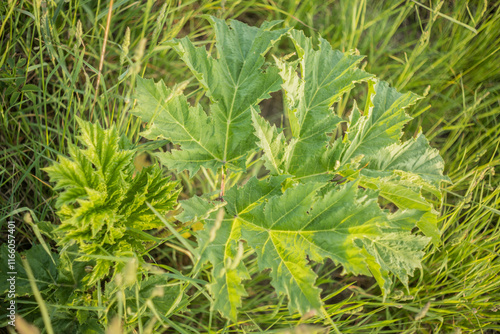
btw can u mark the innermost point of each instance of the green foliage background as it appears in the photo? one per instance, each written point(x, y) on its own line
point(447, 50)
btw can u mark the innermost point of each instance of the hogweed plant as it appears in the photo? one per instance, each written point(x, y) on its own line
point(342, 189)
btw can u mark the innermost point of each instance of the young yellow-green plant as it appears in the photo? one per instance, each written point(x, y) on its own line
point(324, 193)
point(103, 200)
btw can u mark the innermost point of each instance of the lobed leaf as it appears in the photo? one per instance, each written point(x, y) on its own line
point(234, 82)
point(325, 74)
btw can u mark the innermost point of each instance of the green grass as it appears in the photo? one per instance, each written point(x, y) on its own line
point(50, 58)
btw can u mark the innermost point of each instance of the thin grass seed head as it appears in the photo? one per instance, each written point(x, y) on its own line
point(125, 46)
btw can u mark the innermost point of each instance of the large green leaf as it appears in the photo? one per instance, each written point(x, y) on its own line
point(234, 82)
point(309, 221)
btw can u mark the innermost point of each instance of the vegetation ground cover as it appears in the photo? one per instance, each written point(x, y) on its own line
point(52, 58)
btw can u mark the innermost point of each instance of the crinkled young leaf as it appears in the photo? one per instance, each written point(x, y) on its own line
point(102, 204)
